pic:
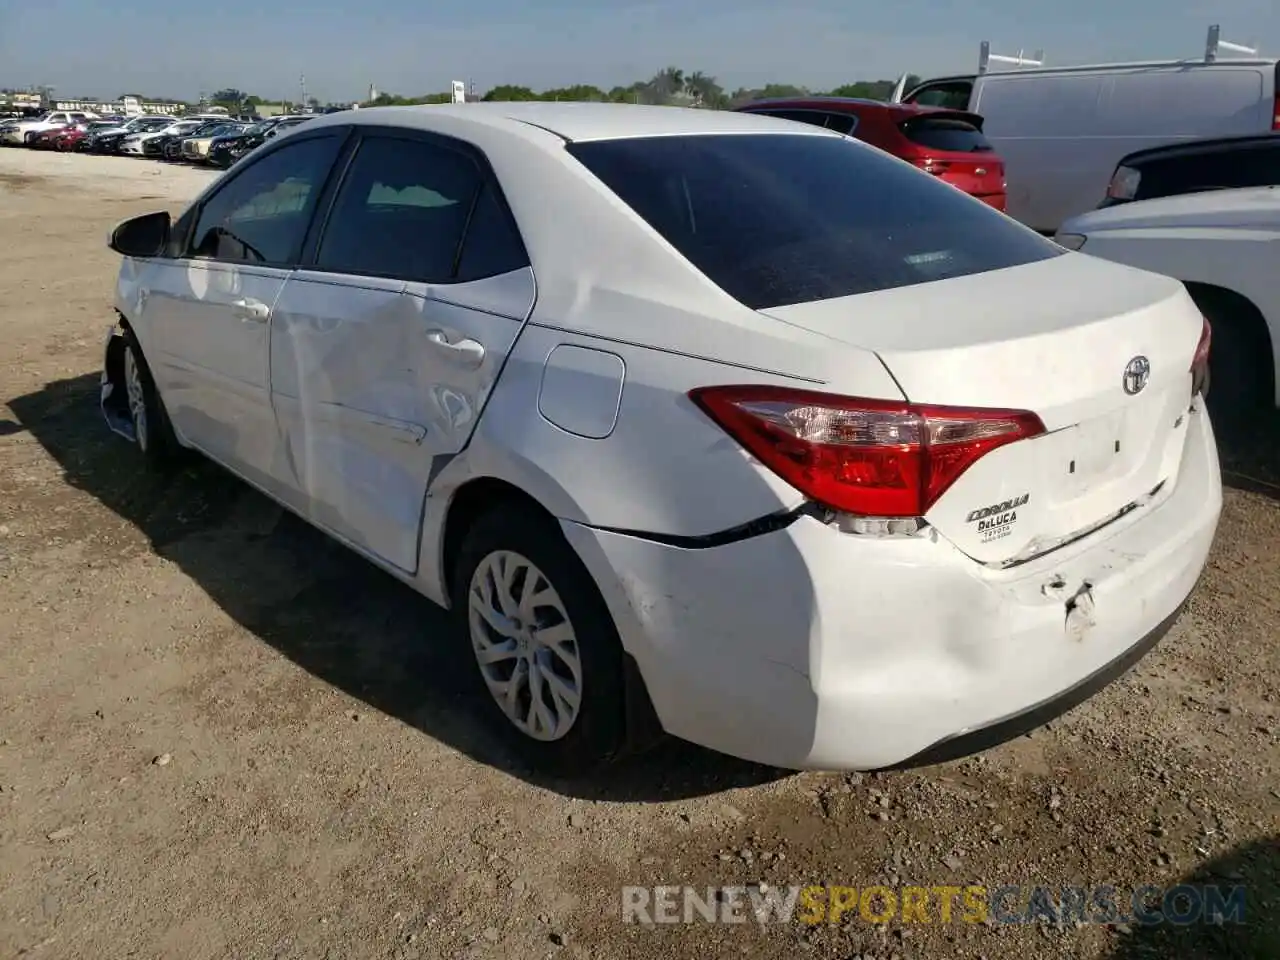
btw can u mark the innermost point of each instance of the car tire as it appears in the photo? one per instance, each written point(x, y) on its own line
point(567, 645)
point(152, 430)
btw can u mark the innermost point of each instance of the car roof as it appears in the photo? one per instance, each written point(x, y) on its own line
point(572, 122)
point(1191, 148)
point(846, 104)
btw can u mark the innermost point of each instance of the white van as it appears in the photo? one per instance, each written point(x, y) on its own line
point(1061, 130)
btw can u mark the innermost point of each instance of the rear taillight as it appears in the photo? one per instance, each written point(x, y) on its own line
point(872, 458)
point(1275, 114)
point(1200, 362)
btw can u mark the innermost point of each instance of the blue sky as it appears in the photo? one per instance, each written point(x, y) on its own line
point(88, 47)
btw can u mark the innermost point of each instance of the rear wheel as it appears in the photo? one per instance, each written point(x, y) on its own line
point(547, 656)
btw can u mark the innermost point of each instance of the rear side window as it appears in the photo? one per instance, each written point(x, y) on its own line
point(947, 134)
point(492, 246)
point(811, 117)
point(401, 211)
point(775, 219)
point(838, 122)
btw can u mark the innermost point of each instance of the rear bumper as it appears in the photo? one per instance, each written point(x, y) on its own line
point(812, 648)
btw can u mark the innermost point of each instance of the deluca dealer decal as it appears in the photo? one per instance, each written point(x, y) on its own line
point(997, 520)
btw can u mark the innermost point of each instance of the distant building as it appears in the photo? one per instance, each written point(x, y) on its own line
point(93, 105)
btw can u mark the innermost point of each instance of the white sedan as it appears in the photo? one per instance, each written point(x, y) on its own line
point(1222, 245)
point(699, 421)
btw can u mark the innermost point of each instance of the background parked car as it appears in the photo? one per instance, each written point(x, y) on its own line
point(151, 143)
point(947, 143)
point(227, 150)
point(1221, 244)
point(47, 139)
point(1219, 164)
point(1061, 130)
point(18, 132)
point(195, 148)
point(109, 140)
point(74, 136)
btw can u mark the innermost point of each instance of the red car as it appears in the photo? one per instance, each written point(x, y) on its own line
point(70, 139)
point(947, 143)
point(47, 139)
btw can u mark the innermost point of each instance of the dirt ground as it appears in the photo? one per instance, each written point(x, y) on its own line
point(223, 736)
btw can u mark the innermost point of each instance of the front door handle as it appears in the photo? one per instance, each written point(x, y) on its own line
point(467, 350)
point(251, 311)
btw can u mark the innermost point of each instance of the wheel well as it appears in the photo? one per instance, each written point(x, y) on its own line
point(115, 361)
point(470, 502)
point(1227, 308)
point(477, 497)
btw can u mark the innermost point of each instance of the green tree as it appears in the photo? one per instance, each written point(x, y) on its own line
point(705, 91)
point(579, 91)
point(873, 89)
point(667, 84)
point(509, 93)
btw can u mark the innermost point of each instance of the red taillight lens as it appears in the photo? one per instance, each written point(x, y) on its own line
point(1200, 362)
point(1275, 114)
point(873, 458)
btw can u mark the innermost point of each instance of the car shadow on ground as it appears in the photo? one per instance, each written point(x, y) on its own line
point(1250, 455)
point(321, 605)
point(1254, 935)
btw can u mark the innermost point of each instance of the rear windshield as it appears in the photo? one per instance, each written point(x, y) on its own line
point(778, 219)
point(949, 134)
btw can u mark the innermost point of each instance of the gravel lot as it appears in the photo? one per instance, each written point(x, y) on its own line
point(221, 735)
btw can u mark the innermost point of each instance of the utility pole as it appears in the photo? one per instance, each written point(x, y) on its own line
point(302, 84)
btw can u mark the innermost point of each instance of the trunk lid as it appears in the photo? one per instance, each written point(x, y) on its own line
point(1056, 338)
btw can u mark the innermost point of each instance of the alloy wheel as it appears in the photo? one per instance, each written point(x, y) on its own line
point(525, 645)
point(136, 394)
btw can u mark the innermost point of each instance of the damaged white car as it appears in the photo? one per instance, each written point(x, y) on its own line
point(701, 422)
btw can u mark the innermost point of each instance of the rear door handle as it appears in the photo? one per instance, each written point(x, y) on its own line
point(467, 350)
point(251, 311)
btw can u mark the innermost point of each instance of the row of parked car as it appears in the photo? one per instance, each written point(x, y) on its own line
point(213, 139)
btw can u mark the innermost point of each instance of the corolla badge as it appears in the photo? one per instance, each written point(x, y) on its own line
point(1136, 374)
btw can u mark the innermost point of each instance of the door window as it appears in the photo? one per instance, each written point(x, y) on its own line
point(839, 122)
point(952, 93)
point(261, 215)
point(401, 211)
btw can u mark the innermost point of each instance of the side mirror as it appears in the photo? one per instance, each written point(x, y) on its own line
point(145, 236)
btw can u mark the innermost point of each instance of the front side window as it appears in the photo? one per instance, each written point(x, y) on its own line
point(954, 95)
point(778, 219)
point(261, 215)
point(401, 211)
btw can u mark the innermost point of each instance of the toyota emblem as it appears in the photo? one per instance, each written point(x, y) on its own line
point(1136, 374)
